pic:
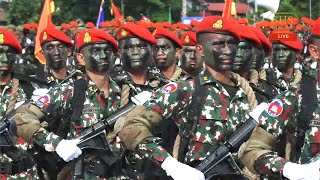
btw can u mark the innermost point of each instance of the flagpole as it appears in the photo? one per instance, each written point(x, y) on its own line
point(99, 16)
point(310, 15)
point(122, 8)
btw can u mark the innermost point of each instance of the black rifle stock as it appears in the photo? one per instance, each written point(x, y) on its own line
point(7, 130)
point(220, 162)
point(93, 139)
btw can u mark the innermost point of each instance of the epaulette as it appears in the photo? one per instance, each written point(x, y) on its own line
point(76, 74)
point(184, 78)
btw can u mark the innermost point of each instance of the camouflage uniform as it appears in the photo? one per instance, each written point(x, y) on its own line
point(220, 117)
point(96, 106)
point(21, 145)
point(154, 81)
point(270, 162)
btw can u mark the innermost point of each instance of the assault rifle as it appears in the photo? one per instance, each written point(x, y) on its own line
point(93, 140)
point(220, 162)
point(7, 129)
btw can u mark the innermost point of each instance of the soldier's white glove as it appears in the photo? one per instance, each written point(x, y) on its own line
point(68, 149)
point(257, 111)
point(38, 93)
point(180, 171)
point(295, 171)
point(141, 98)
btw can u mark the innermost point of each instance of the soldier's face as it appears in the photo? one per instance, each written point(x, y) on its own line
point(56, 54)
point(135, 54)
point(283, 57)
point(219, 50)
point(98, 57)
point(258, 59)
point(190, 61)
point(164, 53)
point(7, 57)
point(244, 56)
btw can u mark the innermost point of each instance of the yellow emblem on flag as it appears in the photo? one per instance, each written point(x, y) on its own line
point(87, 38)
point(124, 33)
point(187, 39)
point(1, 38)
point(205, 78)
point(218, 24)
point(52, 7)
point(45, 36)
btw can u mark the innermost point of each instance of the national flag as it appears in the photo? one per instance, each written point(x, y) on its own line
point(116, 13)
point(44, 22)
point(145, 18)
point(227, 9)
point(101, 14)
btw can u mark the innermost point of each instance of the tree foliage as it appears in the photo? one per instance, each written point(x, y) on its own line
point(25, 11)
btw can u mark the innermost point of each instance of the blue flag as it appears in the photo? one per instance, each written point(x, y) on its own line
point(101, 14)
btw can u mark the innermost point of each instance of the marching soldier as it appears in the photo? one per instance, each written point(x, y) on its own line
point(166, 53)
point(190, 62)
point(208, 108)
point(56, 48)
point(287, 137)
point(82, 104)
point(16, 162)
point(136, 55)
point(284, 57)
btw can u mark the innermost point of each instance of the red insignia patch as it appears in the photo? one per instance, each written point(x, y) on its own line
point(169, 88)
point(275, 108)
point(43, 101)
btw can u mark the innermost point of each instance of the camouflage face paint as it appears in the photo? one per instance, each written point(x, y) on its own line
point(56, 54)
point(283, 57)
point(164, 53)
point(135, 54)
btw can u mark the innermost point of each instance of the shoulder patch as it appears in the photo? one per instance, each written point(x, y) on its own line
point(275, 108)
point(44, 100)
point(169, 88)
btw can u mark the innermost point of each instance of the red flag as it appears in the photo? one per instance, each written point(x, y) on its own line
point(227, 9)
point(44, 22)
point(116, 13)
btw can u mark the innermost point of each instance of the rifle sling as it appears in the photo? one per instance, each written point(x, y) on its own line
point(198, 99)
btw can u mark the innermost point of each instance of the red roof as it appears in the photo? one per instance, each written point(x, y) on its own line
point(242, 8)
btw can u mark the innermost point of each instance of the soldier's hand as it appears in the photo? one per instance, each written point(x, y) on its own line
point(180, 171)
point(295, 171)
point(68, 149)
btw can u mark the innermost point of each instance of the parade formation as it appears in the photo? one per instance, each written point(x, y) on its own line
point(134, 99)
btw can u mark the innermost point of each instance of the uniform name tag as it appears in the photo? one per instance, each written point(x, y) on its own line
point(90, 110)
point(315, 123)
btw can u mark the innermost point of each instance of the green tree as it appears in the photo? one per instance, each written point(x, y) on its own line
point(21, 12)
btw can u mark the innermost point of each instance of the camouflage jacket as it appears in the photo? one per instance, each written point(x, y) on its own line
point(309, 66)
point(19, 142)
point(58, 103)
point(282, 114)
point(281, 82)
point(220, 116)
point(154, 81)
point(52, 80)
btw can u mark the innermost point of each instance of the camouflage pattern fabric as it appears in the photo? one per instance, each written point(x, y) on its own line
point(283, 115)
point(281, 81)
point(220, 116)
point(96, 106)
point(20, 143)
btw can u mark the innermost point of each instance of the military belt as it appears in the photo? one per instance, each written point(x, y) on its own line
point(16, 167)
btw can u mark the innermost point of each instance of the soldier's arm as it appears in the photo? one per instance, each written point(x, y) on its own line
point(28, 118)
point(134, 129)
point(259, 155)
